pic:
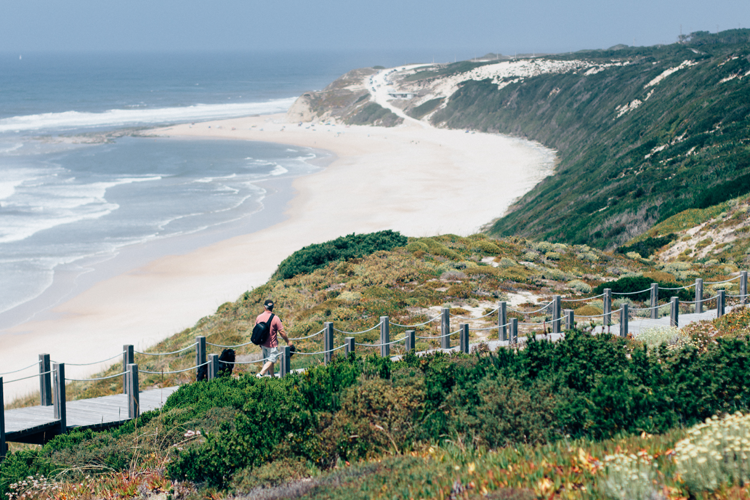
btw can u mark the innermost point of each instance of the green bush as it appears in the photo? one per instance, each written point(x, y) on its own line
point(642, 284)
point(352, 246)
point(647, 246)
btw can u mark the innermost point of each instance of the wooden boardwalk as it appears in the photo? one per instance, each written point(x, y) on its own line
point(37, 424)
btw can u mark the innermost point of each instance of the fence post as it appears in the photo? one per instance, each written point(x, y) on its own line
point(464, 340)
point(286, 359)
point(607, 307)
point(327, 341)
point(349, 345)
point(3, 445)
point(624, 320)
point(385, 336)
point(128, 358)
point(59, 411)
point(556, 316)
point(654, 300)
point(743, 287)
point(720, 301)
point(411, 340)
point(45, 380)
point(134, 398)
point(200, 354)
point(213, 366)
point(445, 329)
point(570, 322)
point(514, 331)
point(674, 313)
point(699, 295)
point(502, 321)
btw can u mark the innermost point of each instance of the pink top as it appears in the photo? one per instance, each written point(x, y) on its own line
point(272, 340)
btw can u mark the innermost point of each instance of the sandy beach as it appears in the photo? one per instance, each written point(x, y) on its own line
point(415, 179)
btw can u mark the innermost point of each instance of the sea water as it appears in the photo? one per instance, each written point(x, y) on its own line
point(73, 193)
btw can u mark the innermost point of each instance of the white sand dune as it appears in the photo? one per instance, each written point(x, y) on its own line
point(414, 179)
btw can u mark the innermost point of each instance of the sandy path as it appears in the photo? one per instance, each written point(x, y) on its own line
point(420, 181)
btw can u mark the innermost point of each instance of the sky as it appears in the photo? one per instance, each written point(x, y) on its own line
point(466, 27)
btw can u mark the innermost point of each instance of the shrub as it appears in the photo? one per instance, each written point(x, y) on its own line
point(506, 262)
point(318, 255)
point(553, 256)
point(270, 474)
point(530, 256)
point(629, 477)
point(648, 246)
point(487, 247)
point(654, 337)
point(580, 286)
point(629, 284)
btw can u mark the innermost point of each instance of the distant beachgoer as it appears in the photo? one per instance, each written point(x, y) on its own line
point(270, 347)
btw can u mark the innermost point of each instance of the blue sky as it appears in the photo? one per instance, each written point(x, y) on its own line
point(468, 27)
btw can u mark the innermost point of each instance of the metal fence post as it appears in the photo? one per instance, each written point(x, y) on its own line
point(3, 445)
point(464, 341)
point(556, 316)
point(349, 345)
point(59, 410)
point(128, 358)
point(411, 340)
point(654, 300)
point(134, 398)
point(445, 329)
point(624, 314)
point(720, 302)
point(514, 331)
point(286, 358)
point(328, 341)
point(699, 295)
point(607, 307)
point(502, 321)
point(674, 313)
point(45, 380)
point(570, 322)
point(213, 366)
point(200, 354)
point(385, 336)
point(743, 287)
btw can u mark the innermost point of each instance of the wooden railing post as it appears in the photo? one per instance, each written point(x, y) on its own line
point(556, 316)
point(464, 340)
point(59, 410)
point(674, 313)
point(514, 330)
point(411, 340)
point(45, 380)
point(3, 445)
point(349, 345)
point(286, 358)
point(328, 342)
point(445, 329)
point(213, 366)
point(720, 303)
point(200, 354)
point(654, 300)
point(128, 358)
point(699, 295)
point(502, 320)
point(624, 315)
point(569, 319)
point(134, 398)
point(385, 336)
point(607, 307)
point(743, 287)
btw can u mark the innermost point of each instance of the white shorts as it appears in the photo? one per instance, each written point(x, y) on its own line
point(270, 354)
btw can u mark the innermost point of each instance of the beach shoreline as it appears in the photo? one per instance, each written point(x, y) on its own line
point(418, 180)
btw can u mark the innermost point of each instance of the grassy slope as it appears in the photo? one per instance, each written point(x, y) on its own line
point(606, 191)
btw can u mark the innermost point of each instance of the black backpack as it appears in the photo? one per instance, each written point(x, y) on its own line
point(261, 331)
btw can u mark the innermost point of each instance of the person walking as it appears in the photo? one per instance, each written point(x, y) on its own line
point(270, 348)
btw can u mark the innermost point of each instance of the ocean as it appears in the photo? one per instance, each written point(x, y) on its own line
point(74, 194)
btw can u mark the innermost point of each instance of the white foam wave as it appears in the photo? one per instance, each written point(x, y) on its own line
point(8, 188)
point(123, 117)
point(279, 170)
point(12, 148)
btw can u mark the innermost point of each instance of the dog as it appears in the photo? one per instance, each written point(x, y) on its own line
point(226, 365)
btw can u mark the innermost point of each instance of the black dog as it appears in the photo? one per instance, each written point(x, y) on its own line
point(226, 365)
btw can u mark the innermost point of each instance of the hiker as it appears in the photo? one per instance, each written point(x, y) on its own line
point(270, 347)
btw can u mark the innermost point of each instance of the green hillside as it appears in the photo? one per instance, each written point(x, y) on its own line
point(634, 149)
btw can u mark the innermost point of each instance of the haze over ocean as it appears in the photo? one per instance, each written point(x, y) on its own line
point(65, 205)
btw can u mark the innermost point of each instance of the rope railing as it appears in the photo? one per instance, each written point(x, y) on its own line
point(440, 336)
point(721, 282)
point(174, 371)
point(245, 362)
point(631, 293)
point(532, 312)
point(97, 378)
point(95, 362)
point(308, 336)
point(166, 353)
point(229, 346)
point(20, 369)
point(24, 378)
point(418, 324)
point(584, 299)
point(381, 344)
point(319, 352)
point(358, 333)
